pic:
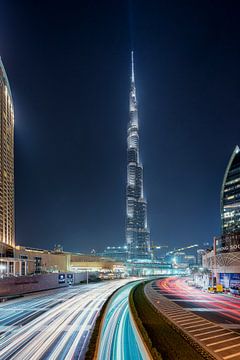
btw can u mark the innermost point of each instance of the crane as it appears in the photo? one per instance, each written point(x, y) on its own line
point(183, 248)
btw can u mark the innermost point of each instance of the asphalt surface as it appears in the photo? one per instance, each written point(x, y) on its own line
point(211, 320)
point(221, 309)
point(119, 340)
point(56, 324)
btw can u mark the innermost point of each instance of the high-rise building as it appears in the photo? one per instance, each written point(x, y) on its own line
point(200, 253)
point(137, 232)
point(7, 227)
point(230, 195)
point(224, 260)
point(230, 207)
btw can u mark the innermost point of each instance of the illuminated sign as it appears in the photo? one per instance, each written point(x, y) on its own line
point(70, 278)
point(228, 243)
point(61, 278)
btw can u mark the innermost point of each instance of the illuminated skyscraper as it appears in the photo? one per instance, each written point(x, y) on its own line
point(137, 232)
point(230, 195)
point(7, 227)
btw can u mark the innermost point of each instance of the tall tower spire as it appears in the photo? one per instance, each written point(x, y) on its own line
point(137, 232)
point(132, 63)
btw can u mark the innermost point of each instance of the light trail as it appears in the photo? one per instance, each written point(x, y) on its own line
point(119, 339)
point(212, 320)
point(228, 307)
point(60, 326)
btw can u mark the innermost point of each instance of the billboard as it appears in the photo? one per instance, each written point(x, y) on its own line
point(228, 243)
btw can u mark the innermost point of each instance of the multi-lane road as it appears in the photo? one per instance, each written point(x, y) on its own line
point(221, 309)
point(56, 325)
point(119, 339)
point(53, 325)
point(211, 320)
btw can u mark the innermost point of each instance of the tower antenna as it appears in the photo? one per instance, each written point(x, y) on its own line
point(132, 62)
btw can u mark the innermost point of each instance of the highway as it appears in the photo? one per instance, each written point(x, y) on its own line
point(220, 309)
point(52, 325)
point(212, 320)
point(118, 338)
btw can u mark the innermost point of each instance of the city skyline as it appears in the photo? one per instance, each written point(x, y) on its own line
point(119, 125)
point(188, 94)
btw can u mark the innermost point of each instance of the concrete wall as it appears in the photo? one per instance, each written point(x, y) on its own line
point(26, 284)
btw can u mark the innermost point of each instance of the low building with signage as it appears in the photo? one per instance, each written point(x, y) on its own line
point(22, 261)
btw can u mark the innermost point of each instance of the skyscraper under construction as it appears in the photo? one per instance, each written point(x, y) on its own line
point(137, 232)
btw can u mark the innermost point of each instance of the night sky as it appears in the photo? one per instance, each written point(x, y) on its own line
point(68, 64)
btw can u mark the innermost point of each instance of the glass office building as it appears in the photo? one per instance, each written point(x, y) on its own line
point(230, 195)
point(230, 206)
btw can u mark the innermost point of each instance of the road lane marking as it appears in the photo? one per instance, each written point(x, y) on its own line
point(195, 325)
point(170, 308)
point(222, 341)
point(174, 313)
point(209, 332)
point(209, 327)
point(226, 348)
point(175, 317)
point(216, 336)
point(181, 323)
point(231, 356)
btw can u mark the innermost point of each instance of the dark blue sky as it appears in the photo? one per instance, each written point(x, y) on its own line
point(68, 65)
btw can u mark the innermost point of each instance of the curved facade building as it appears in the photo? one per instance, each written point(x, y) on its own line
point(230, 195)
point(137, 232)
point(7, 227)
point(230, 206)
point(224, 260)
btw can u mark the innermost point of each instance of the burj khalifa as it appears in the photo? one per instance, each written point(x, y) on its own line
point(137, 232)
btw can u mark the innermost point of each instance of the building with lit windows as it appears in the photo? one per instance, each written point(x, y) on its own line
point(229, 241)
point(224, 260)
point(119, 253)
point(137, 232)
point(230, 195)
point(7, 227)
